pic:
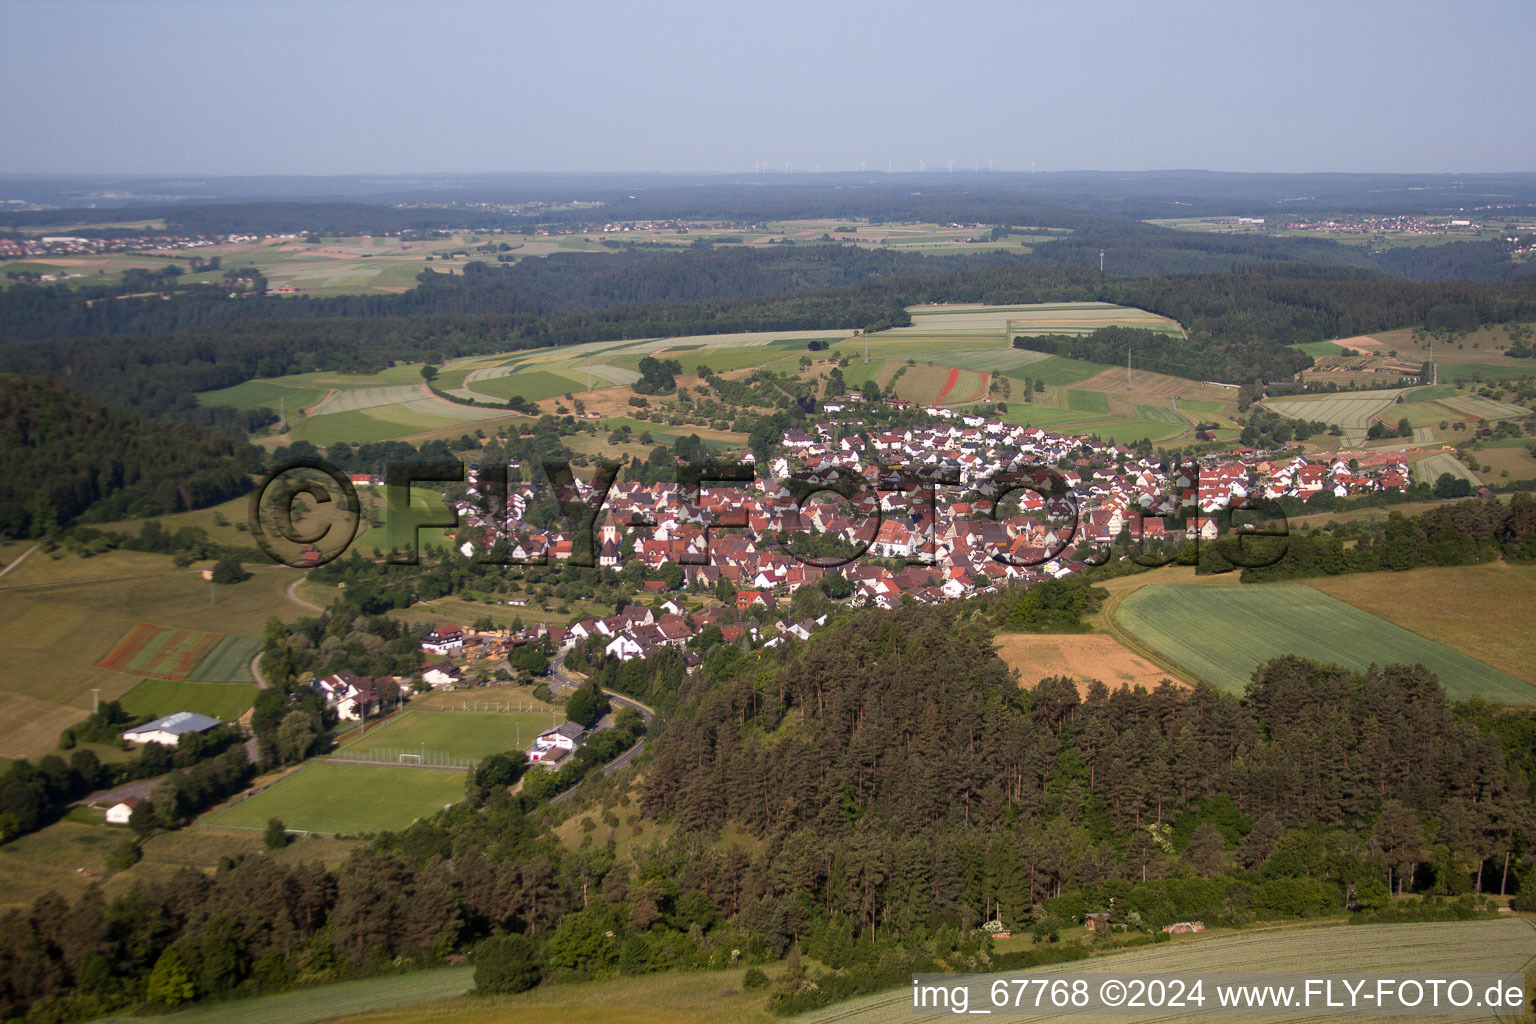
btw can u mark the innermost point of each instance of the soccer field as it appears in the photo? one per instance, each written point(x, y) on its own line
point(1222, 634)
point(347, 798)
point(460, 734)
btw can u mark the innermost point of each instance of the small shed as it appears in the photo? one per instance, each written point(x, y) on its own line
point(1097, 922)
point(120, 812)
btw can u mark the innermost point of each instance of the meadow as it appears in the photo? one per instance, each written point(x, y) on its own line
point(1221, 635)
point(325, 1002)
point(348, 799)
point(1423, 950)
point(70, 856)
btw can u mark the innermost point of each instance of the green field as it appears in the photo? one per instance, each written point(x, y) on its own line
point(1502, 370)
point(1430, 393)
point(155, 697)
point(254, 394)
point(534, 385)
point(346, 798)
point(229, 661)
point(461, 734)
point(1423, 950)
point(1205, 408)
point(1221, 634)
point(1088, 401)
point(1125, 431)
point(1059, 371)
point(1163, 414)
point(1318, 349)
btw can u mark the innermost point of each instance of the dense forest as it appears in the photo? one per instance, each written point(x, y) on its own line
point(64, 457)
point(896, 788)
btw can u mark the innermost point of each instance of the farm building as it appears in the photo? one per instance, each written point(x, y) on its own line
point(444, 640)
point(1185, 927)
point(170, 729)
point(120, 813)
point(1096, 922)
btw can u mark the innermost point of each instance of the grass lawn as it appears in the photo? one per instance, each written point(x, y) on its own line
point(459, 733)
point(1223, 634)
point(346, 798)
point(156, 697)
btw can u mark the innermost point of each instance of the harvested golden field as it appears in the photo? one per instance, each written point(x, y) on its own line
point(1483, 611)
point(1084, 656)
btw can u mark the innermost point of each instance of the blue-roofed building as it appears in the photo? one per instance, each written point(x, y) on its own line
point(170, 729)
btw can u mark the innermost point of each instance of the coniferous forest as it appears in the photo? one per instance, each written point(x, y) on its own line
point(895, 788)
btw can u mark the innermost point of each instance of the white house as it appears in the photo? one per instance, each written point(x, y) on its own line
point(624, 647)
point(566, 737)
point(170, 729)
point(441, 676)
point(120, 813)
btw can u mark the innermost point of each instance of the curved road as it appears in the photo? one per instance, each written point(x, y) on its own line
point(560, 683)
point(294, 597)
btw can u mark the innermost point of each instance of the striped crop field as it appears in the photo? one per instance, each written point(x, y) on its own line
point(182, 654)
point(1484, 408)
point(1221, 634)
point(1353, 411)
point(1427, 471)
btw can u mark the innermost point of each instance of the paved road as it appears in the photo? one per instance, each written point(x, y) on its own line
point(560, 683)
point(140, 788)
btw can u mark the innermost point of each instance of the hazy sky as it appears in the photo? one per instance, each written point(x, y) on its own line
point(213, 87)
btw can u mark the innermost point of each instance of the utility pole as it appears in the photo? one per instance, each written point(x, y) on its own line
point(1127, 367)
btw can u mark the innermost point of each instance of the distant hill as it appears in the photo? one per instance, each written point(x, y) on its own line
point(65, 457)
